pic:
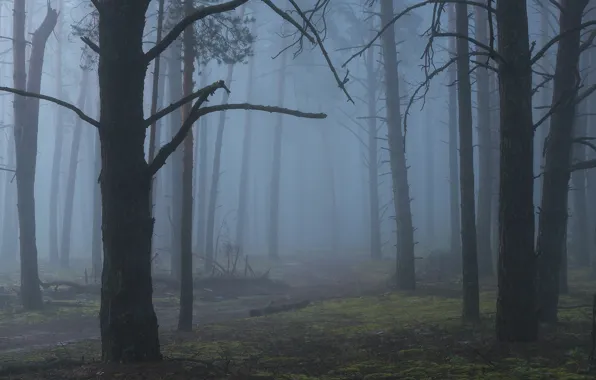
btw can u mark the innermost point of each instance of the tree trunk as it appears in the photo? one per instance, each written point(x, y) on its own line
point(552, 222)
point(495, 162)
point(96, 256)
point(405, 271)
point(516, 306)
point(373, 166)
point(330, 174)
point(26, 115)
point(581, 246)
point(129, 329)
point(485, 261)
point(430, 179)
point(10, 226)
point(202, 177)
point(176, 160)
point(471, 298)
point(242, 218)
point(58, 142)
point(72, 174)
point(453, 147)
point(186, 286)
point(273, 229)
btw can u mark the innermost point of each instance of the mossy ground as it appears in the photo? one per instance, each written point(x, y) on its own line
point(391, 335)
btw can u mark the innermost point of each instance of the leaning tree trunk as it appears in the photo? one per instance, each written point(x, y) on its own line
point(26, 118)
point(129, 329)
point(485, 261)
point(471, 298)
point(406, 279)
point(552, 222)
point(455, 223)
point(72, 174)
point(186, 286)
point(176, 160)
point(273, 228)
point(242, 218)
point(516, 318)
point(373, 166)
point(58, 142)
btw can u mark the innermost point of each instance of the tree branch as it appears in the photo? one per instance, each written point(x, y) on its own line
point(583, 165)
point(557, 38)
point(169, 148)
point(289, 19)
point(197, 15)
point(87, 41)
point(59, 102)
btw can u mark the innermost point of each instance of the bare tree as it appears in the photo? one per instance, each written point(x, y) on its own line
point(405, 273)
point(26, 117)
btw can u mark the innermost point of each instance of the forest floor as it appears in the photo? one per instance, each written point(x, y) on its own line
point(354, 328)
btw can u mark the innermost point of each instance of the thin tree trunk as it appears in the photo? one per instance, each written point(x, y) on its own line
point(72, 174)
point(273, 228)
point(471, 303)
point(453, 148)
point(430, 180)
point(176, 160)
point(202, 177)
point(373, 166)
point(553, 210)
point(485, 261)
point(516, 318)
point(96, 255)
point(58, 142)
point(405, 271)
point(242, 218)
point(186, 286)
point(26, 114)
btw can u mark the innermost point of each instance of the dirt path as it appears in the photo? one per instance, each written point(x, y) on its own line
point(311, 281)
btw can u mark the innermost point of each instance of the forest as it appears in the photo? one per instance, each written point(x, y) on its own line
point(297, 189)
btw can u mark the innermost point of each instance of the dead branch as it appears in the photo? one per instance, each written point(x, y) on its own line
point(197, 15)
point(51, 99)
point(557, 38)
point(289, 19)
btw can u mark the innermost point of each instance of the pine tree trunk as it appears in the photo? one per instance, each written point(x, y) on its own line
point(26, 115)
point(485, 261)
point(373, 166)
point(186, 285)
point(129, 329)
point(455, 224)
point(273, 228)
point(516, 318)
point(72, 174)
point(552, 221)
point(58, 142)
point(405, 271)
point(202, 178)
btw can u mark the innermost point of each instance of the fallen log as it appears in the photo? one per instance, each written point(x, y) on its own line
point(74, 287)
point(274, 309)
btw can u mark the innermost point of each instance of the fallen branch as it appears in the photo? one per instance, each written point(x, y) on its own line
point(274, 309)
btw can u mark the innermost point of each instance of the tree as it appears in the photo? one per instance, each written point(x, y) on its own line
point(485, 261)
point(406, 279)
point(471, 304)
point(552, 224)
point(72, 173)
point(453, 146)
point(516, 318)
point(58, 142)
point(26, 117)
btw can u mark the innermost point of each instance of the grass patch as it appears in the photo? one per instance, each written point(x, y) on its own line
point(50, 312)
point(390, 336)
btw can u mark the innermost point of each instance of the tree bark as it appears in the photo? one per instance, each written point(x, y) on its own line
point(405, 271)
point(202, 177)
point(26, 114)
point(58, 143)
point(453, 147)
point(129, 329)
point(72, 174)
point(186, 286)
point(96, 255)
point(485, 261)
point(274, 185)
point(516, 305)
point(373, 166)
point(552, 221)
point(176, 160)
point(471, 298)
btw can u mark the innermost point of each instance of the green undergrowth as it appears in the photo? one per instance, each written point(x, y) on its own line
point(51, 312)
point(389, 336)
